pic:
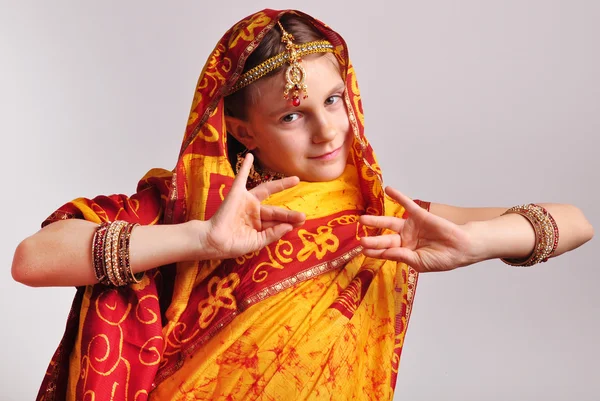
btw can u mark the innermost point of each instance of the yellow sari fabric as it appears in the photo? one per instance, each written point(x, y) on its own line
point(295, 345)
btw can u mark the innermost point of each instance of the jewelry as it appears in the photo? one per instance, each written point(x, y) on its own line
point(546, 234)
point(295, 75)
point(124, 264)
point(110, 254)
point(98, 253)
point(255, 176)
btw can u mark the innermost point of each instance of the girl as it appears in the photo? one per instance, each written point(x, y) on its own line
point(210, 285)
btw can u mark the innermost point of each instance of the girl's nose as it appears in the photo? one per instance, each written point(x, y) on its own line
point(324, 131)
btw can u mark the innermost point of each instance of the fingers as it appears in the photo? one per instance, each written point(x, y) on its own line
point(280, 215)
point(381, 242)
point(403, 255)
point(242, 176)
point(266, 189)
point(408, 204)
point(275, 233)
point(389, 222)
point(254, 219)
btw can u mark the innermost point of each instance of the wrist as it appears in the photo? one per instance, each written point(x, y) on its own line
point(482, 245)
point(196, 232)
point(506, 236)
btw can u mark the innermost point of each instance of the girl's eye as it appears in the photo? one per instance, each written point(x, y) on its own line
point(290, 118)
point(332, 99)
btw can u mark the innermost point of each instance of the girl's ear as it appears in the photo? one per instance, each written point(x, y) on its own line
point(240, 131)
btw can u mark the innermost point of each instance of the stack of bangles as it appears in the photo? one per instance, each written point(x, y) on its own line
point(110, 250)
point(546, 234)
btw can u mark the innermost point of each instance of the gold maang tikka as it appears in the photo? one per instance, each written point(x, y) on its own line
point(295, 75)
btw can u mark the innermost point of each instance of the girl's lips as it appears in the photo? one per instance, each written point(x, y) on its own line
point(328, 156)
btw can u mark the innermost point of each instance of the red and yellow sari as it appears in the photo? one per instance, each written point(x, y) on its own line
point(306, 318)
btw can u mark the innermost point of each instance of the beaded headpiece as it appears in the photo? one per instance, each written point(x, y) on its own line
point(295, 75)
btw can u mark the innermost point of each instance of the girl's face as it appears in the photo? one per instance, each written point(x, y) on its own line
point(310, 141)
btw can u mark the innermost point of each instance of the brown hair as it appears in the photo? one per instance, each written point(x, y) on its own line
point(270, 46)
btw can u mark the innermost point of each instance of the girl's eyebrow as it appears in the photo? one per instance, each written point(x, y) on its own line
point(338, 88)
point(281, 110)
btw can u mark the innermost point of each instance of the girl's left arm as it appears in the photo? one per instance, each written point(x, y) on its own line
point(512, 236)
point(447, 237)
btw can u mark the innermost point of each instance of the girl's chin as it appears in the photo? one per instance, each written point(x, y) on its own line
point(323, 176)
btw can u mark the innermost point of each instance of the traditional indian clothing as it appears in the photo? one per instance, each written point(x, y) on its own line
point(308, 317)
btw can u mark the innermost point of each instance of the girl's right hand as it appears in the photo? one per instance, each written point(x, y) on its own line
point(241, 224)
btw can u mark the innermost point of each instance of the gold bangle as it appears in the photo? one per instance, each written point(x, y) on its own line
point(111, 249)
point(546, 234)
point(124, 260)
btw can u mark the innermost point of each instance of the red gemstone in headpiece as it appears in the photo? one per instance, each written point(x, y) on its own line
point(296, 101)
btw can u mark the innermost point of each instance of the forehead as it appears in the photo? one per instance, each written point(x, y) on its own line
point(323, 73)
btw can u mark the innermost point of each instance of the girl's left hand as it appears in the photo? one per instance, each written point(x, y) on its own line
point(424, 241)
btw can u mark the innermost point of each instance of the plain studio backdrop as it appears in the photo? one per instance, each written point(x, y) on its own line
point(469, 102)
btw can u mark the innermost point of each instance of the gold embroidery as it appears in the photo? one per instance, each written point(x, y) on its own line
point(413, 275)
point(208, 133)
point(174, 338)
point(152, 346)
point(398, 344)
point(111, 307)
point(139, 308)
point(240, 260)
point(356, 95)
point(350, 297)
point(372, 172)
point(142, 284)
point(260, 275)
point(247, 34)
point(288, 252)
point(343, 220)
point(220, 295)
point(114, 389)
point(309, 273)
point(103, 360)
point(321, 242)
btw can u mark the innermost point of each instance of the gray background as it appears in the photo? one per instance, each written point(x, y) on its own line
point(467, 103)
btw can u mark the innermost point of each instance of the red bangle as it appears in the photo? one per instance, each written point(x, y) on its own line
point(98, 253)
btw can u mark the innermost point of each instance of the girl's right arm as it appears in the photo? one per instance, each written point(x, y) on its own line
point(60, 254)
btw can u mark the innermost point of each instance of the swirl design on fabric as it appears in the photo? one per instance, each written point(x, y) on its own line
point(261, 274)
